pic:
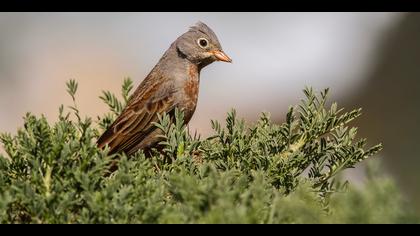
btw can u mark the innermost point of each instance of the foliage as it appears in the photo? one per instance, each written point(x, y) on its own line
point(255, 173)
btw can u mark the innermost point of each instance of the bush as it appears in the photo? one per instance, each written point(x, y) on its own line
point(257, 173)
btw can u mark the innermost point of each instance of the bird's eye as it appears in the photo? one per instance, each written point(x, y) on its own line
point(202, 42)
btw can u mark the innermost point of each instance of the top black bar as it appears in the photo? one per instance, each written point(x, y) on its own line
point(205, 6)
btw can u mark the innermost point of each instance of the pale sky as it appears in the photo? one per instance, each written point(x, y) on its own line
point(274, 56)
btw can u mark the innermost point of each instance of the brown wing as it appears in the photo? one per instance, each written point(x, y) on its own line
point(135, 122)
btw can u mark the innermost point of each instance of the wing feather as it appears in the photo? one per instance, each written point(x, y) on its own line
point(135, 122)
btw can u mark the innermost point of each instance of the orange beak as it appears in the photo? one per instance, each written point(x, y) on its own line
point(221, 56)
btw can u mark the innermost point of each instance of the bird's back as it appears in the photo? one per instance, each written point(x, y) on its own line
point(160, 92)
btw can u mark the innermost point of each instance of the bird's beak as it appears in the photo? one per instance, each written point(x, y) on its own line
point(221, 56)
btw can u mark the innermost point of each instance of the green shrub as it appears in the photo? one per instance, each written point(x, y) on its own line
point(254, 173)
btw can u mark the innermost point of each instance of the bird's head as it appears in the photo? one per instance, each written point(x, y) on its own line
point(200, 46)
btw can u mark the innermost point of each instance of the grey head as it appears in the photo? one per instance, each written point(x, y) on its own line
point(200, 46)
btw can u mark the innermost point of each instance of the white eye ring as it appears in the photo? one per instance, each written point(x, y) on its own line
point(202, 42)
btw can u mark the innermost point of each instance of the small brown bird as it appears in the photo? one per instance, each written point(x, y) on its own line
point(172, 83)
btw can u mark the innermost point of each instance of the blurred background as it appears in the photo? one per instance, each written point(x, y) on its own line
point(369, 60)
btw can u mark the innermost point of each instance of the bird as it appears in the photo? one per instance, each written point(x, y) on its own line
point(173, 83)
